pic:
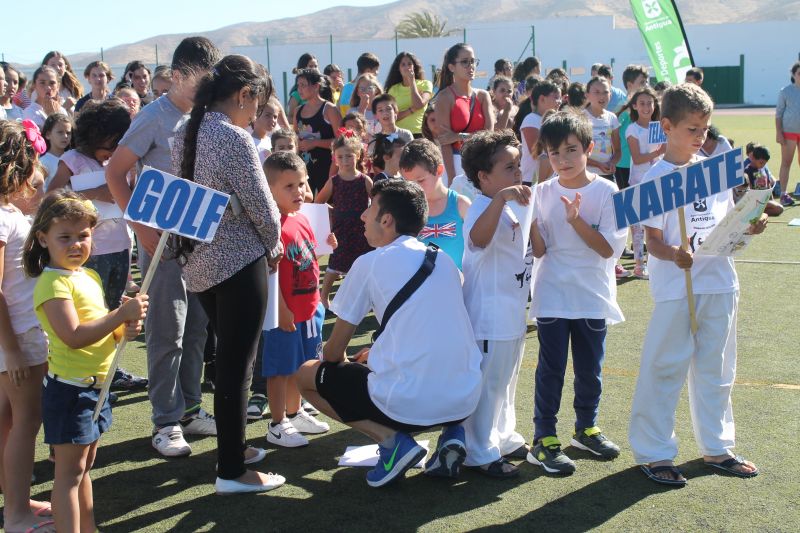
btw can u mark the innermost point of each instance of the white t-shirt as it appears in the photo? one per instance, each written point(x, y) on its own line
point(496, 278)
point(643, 136)
point(710, 274)
point(17, 287)
point(36, 113)
point(110, 235)
point(50, 162)
point(425, 365)
point(723, 145)
point(13, 112)
point(529, 164)
point(464, 187)
point(602, 128)
point(263, 146)
point(572, 280)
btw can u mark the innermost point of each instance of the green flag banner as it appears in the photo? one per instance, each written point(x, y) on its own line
point(664, 37)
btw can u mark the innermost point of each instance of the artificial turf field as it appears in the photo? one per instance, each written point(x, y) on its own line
point(136, 489)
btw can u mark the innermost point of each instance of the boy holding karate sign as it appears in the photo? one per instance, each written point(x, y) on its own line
point(674, 346)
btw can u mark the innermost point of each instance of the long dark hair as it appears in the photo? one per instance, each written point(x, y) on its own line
point(227, 78)
point(450, 56)
point(395, 77)
point(632, 102)
point(315, 77)
point(525, 68)
point(69, 80)
point(302, 64)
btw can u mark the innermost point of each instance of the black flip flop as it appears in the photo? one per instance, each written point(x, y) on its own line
point(495, 469)
point(651, 472)
point(728, 466)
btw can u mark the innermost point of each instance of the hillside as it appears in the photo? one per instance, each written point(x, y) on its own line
point(379, 21)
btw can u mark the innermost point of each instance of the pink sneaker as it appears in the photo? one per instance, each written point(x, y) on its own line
point(621, 272)
point(641, 272)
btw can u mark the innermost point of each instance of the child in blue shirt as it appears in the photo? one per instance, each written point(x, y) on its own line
point(422, 163)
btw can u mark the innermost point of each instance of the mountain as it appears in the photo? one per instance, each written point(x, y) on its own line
point(378, 22)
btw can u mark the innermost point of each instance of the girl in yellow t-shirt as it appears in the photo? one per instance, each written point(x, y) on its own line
point(69, 303)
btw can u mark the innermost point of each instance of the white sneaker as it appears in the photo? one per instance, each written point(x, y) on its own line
point(231, 486)
point(285, 434)
point(200, 423)
point(169, 442)
point(305, 423)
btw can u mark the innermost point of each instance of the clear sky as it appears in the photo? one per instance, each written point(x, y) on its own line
point(73, 26)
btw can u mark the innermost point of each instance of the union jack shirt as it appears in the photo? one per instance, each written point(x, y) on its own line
point(436, 231)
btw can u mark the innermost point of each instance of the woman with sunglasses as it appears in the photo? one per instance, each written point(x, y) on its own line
point(460, 109)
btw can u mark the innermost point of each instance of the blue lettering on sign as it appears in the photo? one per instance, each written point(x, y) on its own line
point(187, 226)
point(649, 204)
point(623, 207)
point(671, 192)
point(656, 134)
point(213, 214)
point(142, 203)
point(714, 178)
point(733, 163)
point(173, 203)
point(695, 183)
point(678, 188)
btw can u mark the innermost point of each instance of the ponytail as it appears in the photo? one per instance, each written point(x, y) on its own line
point(225, 79)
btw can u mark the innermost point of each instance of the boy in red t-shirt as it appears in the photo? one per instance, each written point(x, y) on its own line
point(298, 337)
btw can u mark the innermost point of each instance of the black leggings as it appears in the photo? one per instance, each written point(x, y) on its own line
point(236, 308)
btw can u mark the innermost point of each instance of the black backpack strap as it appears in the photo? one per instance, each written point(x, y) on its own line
point(408, 289)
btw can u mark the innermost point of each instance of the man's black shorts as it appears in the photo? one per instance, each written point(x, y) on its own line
point(344, 387)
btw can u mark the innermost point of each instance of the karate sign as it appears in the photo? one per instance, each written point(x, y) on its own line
point(678, 188)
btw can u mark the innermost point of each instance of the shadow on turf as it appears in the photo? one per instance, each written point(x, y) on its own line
point(315, 486)
point(129, 398)
point(590, 506)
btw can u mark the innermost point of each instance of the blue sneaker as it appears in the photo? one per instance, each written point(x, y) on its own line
point(393, 462)
point(449, 455)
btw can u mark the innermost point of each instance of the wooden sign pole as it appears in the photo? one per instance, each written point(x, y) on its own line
point(688, 272)
point(148, 279)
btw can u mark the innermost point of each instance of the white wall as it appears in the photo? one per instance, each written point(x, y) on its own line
point(770, 48)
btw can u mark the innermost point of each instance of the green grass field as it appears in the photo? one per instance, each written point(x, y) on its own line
point(135, 489)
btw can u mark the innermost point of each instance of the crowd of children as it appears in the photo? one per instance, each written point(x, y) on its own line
point(66, 257)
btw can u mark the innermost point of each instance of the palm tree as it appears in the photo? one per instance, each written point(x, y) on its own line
point(423, 24)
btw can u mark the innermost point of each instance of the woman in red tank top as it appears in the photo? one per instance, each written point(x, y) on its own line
point(460, 108)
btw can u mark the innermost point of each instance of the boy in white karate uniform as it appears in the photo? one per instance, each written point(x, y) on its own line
point(670, 350)
point(497, 274)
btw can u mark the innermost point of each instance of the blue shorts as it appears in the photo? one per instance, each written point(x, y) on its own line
point(67, 413)
point(285, 352)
